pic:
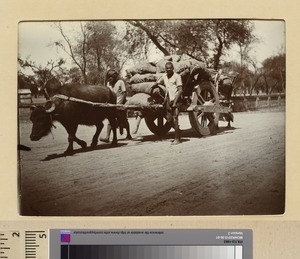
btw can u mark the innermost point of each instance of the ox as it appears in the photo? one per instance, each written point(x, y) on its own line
point(71, 114)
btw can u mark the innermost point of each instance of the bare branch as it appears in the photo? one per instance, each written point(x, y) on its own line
point(152, 37)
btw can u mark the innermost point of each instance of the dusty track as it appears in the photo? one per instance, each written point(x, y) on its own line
point(237, 171)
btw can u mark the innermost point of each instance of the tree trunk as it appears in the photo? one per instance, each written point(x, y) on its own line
point(219, 53)
point(251, 86)
point(267, 85)
point(85, 80)
point(272, 88)
point(282, 81)
point(98, 58)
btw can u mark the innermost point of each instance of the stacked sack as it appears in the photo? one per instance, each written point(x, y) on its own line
point(144, 75)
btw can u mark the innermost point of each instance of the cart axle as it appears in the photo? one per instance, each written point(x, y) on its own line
point(209, 108)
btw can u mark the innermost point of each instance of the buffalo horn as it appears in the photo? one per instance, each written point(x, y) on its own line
point(50, 106)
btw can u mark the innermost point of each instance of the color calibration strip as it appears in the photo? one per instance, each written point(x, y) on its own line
point(150, 252)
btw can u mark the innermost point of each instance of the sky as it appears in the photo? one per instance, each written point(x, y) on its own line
point(271, 36)
point(35, 40)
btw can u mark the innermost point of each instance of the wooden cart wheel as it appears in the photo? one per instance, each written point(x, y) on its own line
point(204, 123)
point(158, 124)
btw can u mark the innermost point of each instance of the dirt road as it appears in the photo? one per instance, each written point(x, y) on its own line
point(238, 171)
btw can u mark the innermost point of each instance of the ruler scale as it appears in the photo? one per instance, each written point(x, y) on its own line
point(10, 244)
point(36, 244)
point(24, 244)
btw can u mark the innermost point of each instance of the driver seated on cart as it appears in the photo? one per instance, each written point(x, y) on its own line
point(172, 101)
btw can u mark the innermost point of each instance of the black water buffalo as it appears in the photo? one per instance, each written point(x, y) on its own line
point(71, 114)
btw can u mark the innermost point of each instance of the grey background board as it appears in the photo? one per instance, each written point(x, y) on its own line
point(155, 243)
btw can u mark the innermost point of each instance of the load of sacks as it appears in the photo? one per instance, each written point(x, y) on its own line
point(144, 75)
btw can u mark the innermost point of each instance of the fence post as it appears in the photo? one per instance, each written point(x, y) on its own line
point(257, 102)
point(268, 101)
point(245, 103)
point(278, 101)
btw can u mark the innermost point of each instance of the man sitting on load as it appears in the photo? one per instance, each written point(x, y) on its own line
point(172, 82)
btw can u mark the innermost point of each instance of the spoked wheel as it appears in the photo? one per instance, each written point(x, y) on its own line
point(204, 123)
point(158, 124)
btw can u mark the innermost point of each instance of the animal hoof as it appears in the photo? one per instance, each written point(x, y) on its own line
point(129, 138)
point(83, 145)
point(176, 142)
point(94, 144)
point(114, 144)
point(69, 152)
point(106, 140)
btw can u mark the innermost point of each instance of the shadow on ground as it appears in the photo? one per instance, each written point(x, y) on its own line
point(83, 150)
point(185, 135)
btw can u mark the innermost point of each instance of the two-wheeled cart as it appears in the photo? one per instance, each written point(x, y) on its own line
point(200, 99)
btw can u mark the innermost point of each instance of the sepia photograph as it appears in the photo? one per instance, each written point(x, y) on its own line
point(157, 117)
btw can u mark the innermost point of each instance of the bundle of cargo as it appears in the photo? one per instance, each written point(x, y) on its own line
point(144, 75)
point(141, 78)
point(142, 87)
point(143, 83)
point(143, 68)
point(140, 99)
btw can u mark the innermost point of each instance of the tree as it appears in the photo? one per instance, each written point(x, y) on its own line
point(188, 37)
point(94, 50)
point(101, 41)
point(153, 29)
point(77, 51)
point(192, 38)
point(274, 73)
point(27, 82)
point(255, 76)
point(24, 81)
point(204, 40)
point(226, 33)
point(74, 75)
point(134, 43)
point(43, 74)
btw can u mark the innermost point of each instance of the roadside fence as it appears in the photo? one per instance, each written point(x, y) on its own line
point(255, 102)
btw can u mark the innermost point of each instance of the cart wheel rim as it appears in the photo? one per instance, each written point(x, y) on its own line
point(158, 124)
point(204, 123)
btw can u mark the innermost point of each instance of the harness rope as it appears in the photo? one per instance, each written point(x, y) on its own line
point(73, 99)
